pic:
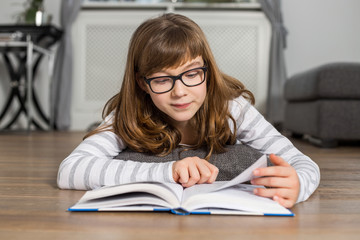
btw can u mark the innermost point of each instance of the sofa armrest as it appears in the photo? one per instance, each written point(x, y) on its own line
point(330, 81)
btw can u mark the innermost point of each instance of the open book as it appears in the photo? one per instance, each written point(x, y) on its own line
point(221, 197)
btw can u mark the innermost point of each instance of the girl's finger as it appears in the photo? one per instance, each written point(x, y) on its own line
point(278, 161)
point(204, 171)
point(273, 171)
point(275, 182)
point(284, 202)
point(194, 175)
point(214, 172)
point(183, 175)
point(271, 192)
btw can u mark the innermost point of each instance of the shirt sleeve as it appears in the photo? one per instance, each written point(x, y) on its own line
point(92, 165)
point(255, 131)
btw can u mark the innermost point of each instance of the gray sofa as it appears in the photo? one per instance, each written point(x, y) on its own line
point(324, 104)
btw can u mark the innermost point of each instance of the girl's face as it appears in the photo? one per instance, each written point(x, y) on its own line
point(182, 102)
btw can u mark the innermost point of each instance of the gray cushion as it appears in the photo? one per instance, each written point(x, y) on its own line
point(231, 163)
point(325, 119)
point(330, 81)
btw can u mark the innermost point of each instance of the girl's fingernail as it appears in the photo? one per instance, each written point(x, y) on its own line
point(276, 198)
point(255, 191)
point(256, 172)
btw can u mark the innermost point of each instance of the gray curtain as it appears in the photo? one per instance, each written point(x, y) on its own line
point(61, 89)
point(277, 69)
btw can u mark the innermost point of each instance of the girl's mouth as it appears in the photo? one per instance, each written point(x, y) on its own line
point(181, 105)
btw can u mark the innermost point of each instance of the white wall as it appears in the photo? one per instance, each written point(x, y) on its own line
point(321, 31)
point(10, 8)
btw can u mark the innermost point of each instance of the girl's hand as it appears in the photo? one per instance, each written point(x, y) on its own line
point(282, 179)
point(193, 170)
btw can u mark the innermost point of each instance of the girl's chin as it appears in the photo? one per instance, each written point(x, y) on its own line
point(181, 119)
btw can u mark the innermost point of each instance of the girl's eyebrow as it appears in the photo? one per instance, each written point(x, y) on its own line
point(190, 65)
point(193, 64)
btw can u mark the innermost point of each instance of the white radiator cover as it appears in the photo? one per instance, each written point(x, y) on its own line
point(240, 41)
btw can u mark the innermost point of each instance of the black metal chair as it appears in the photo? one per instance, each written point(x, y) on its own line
point(43, 37)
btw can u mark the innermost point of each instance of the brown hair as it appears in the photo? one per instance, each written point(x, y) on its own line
point(164, 42)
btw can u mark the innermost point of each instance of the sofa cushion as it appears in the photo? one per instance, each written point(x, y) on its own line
point(324, 119)
point(330, 81)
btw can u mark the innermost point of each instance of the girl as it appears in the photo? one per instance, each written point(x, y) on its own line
point(174, 94)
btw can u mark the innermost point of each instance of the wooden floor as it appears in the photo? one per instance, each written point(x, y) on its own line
point(31, 206)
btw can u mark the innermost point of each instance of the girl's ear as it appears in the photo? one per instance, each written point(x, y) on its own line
point(142, 83)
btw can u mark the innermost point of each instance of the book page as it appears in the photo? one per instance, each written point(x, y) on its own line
point(245, 176)
point(170, 192)
point(122, 201)
point(239, 198)
point(176, 188)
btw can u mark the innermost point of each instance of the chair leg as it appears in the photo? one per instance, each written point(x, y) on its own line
point(296, 135)
point(329, 143)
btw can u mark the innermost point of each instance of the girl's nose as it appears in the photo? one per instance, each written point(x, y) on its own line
point(179, 89)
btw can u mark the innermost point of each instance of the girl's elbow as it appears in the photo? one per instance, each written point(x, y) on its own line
point(61, 182)
point(63, 176)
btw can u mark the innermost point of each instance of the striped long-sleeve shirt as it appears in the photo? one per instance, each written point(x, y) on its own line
point(91, 164)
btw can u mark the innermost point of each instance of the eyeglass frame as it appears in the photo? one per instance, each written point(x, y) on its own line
point(174, 78)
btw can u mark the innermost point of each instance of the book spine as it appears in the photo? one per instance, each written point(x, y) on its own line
point(180, 211)
point(83, 210)
point(201, 213)
point(280, 215)
point(162, 209)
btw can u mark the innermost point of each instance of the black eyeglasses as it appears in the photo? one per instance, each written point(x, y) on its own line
point(190, 78)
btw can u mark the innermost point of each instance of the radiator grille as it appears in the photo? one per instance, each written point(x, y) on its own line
point(106, 48)
point(234, 48)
